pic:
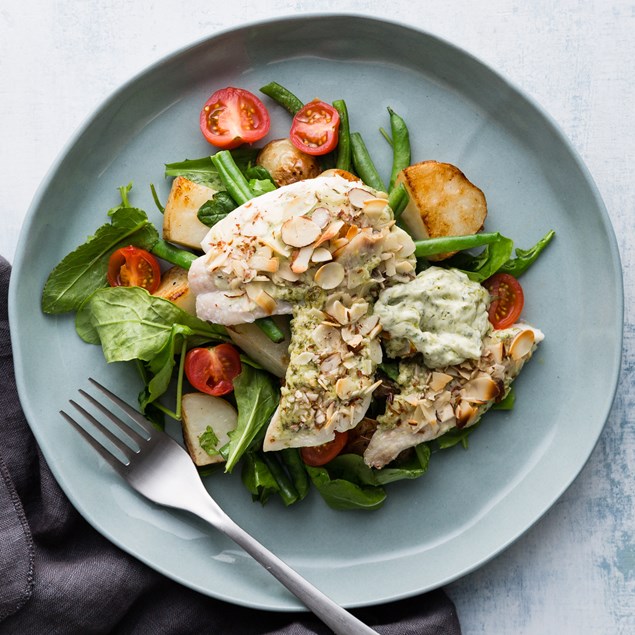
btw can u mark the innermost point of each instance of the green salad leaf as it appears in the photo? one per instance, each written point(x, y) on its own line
point(214, 210)
point(203, 171)
point(257, 477)
point(526, 257)
point(83, 271)
point(132, 324)
point(257, 394)
point(340, 493)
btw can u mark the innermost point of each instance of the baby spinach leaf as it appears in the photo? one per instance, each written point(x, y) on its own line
point(84, 270)
point(490, 260)
point(526, 257)
point(216, 209)
point(257, 395)
point(132, 324)
point(257, 477)
point(261, 186)
point(339, 493)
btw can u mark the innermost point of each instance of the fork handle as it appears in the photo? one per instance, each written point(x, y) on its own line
point(332, 614)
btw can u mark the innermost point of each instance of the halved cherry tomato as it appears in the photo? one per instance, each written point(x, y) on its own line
point(212, 370)
point(322, 454)
point(315, 127)
point(232, 116)
point(507, 300)
point(134, 267)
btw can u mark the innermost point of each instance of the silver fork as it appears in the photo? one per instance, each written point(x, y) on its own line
point(159, 468)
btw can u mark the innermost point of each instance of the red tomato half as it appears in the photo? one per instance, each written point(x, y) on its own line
point(322, 454)
point(212, 370)
point(134, 267)
point(507, 300)
point(233, 116)
point(315, 127)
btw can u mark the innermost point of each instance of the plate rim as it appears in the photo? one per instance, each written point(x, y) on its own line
point(21, 251)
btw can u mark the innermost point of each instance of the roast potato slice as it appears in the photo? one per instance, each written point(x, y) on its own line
point(180, 221)
point(200, 412)
point(443, 202)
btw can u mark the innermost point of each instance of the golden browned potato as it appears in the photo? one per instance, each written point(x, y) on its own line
point(443, 202)
point(180, 221)
point(286, 163)
point(175, 288)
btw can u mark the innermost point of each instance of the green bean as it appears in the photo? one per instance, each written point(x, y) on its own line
point(433, 246)
point(398, 199)
point(364, 165)
point(270, 329)
point(386, 136)
point(287, 490)
point(233, 179)
point(297, 471)
point(155, 196)
point(400, 146)
point(344, 139)
point(176, 256)
point(283, 96)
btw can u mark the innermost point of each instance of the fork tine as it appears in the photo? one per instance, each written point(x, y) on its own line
point(137, 438)
point(126, 450)
point(136, 416)
point(105, 454)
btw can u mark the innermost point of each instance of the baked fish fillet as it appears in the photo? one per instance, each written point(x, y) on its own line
point(432, 402)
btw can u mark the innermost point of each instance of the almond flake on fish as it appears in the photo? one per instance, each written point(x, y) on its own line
point(330, 275)
point(480, 390)
point(357, 196)
point(321, 254)
point(321, 217)
point(299, 231)
point(301, 261)
point(522, 344)
point(330, 232)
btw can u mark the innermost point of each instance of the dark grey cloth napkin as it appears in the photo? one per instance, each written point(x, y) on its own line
point(58, 575)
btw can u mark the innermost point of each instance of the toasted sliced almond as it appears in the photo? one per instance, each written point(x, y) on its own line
point(301, 260)
point(326, 337)
point(338, 311)
point(358, 310)
point(321, 254)
point(330, 275)
point(345, 388)
point(357, 196)
point(284, 271)
point(260, 263)
point(374, 205)
point(480, 390)
point(299, 231)
point(321, 217)
point(304, 358)
point(465, 414)
point(496, 349)
point(330, 232)
point(438, 381)
point(375, 352)
point(521, 345)
point(261, 298)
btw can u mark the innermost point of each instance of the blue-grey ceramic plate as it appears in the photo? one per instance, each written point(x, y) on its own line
point(471, 504)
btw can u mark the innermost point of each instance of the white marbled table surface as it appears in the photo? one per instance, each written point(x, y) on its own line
point(574, 572)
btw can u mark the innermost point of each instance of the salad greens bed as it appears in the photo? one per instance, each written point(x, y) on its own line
point(131, 325)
